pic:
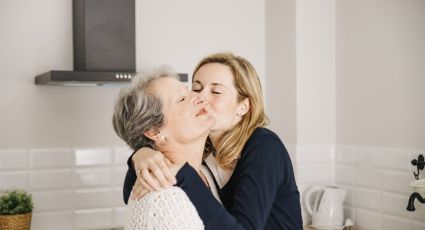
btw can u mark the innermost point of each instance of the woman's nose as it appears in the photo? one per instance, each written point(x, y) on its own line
point(203, 94)
point(198, 99)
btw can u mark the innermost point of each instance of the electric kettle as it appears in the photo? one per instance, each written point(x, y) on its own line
point(328, 211)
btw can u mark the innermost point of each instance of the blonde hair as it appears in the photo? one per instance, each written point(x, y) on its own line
point(229, 145)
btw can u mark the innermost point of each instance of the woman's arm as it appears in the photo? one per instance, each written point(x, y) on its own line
point(151, 170)
point(260, 173)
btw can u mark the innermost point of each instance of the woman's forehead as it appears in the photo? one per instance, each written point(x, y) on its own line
point(214, 73)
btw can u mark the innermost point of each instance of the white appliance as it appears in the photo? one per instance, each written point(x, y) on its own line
point(328, 211)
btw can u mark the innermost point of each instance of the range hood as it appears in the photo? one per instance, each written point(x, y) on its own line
point(103, 45)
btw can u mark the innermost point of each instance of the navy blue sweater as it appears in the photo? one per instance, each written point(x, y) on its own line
point(260, 194)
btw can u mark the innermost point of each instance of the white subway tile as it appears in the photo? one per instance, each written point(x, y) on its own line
point(13, 159)
point(395, 182)
point(395, 223)
point(53, 200)
point(93, 177)
point(367, 199)
point(94, 198)
point(118, 199)
point(92, 219)
point(316, 174)
point(419, 213)
point(367, 176)
point(119, 217)
point(51, 158)
point(345, 174)
point(13, 180)
point(51, 179)
point(416, 225)
point(315, 154)
point(368, 156)
point(344, 155)
point(51, 220)
point(119, 175)
point(394, 204)
point(326, 154)
point(367, 220)
point(306, 155)
point(122, 155)
point(395, 160)
point(85, 157)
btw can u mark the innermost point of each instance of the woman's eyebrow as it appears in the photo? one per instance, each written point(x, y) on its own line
point(218, 84)
point(214, 83)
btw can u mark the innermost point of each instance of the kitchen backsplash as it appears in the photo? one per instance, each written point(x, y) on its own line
point(376, 179)
point(71, 188)
point(81, 188)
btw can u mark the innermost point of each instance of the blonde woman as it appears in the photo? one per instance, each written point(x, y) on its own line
point(250, 164)
point(158, 111)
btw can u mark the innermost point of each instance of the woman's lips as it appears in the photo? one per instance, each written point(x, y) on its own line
point(201, 112)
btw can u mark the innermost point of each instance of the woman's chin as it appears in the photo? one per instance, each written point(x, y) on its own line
point(211, 121)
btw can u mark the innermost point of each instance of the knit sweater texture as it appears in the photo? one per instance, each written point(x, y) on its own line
point(163, 210)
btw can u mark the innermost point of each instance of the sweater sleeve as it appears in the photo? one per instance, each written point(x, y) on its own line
point(130, 179)
point(265, 168)
point(165, 209)
point(257, 181)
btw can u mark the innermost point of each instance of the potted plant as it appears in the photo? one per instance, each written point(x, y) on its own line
point(15, 210)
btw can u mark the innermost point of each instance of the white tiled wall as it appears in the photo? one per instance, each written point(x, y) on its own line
point(376, 179)
point(71, 188)
point(82, 188)
point(379, 180)
point(314, 166)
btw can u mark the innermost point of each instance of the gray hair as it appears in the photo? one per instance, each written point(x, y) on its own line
point(138, 110)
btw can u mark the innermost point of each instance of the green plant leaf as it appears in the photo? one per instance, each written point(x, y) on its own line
point(15, 202)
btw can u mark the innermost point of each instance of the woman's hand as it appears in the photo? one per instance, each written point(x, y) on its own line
point(152, 169)
point(140, 191)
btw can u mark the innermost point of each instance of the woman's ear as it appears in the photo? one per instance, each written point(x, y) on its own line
point(243, 107)
point(155, 135)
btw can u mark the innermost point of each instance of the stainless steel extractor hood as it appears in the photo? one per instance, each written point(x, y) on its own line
point(104, 45)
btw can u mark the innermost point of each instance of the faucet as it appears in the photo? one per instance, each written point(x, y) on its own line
point(411, 204)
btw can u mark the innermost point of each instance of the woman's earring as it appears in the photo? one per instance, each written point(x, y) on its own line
point(161, 137)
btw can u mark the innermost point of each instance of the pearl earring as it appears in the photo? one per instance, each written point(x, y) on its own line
point(161, 137)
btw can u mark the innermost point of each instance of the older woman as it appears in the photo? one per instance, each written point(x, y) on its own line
point(160, 112)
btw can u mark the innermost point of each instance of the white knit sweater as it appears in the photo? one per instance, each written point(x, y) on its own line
point(162, 210)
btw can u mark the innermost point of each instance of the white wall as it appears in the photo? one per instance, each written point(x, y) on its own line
point(36, 36)
point(281, 69)
point(315, 67)
point(381, 73)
